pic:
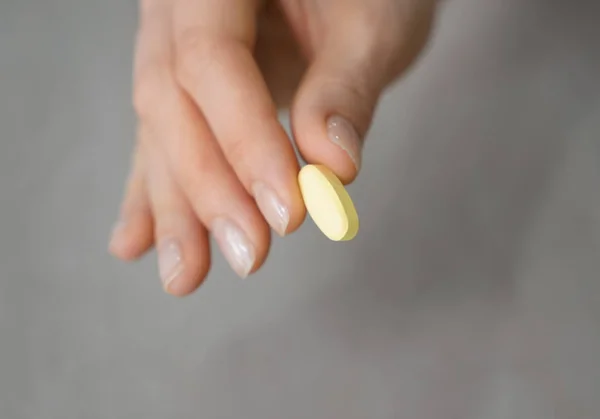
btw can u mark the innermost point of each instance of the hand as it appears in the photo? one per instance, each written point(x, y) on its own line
point(211, 155)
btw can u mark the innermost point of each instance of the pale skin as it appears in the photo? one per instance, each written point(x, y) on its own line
point(211, 156)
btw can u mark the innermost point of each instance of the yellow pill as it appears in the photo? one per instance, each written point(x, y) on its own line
point(328, 202)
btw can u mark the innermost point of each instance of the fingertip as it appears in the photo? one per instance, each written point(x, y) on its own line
point(189, 279)
point(330, 120)
point(280, 201)
point(330, 140)
point(131, 238)
point(296, 221)
point(244, 248)
point(183, 252)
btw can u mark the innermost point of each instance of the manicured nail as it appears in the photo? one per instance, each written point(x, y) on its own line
point(271, 206)
point(170, 261)
point(342, 133)
point(235, 246)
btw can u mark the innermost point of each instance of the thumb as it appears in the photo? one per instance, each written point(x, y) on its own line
point(335, 102)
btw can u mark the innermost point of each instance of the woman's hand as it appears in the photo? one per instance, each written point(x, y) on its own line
point(211, 155)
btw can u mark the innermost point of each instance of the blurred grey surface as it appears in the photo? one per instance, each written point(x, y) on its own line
point(472, 290)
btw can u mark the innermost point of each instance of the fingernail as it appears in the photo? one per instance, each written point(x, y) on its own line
point(342, 133)
point(271, 206)
point(235, 246)
point(170, 262)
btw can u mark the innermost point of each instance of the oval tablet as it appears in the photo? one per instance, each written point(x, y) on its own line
point(328, 203)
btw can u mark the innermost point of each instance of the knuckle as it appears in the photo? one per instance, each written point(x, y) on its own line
point(198, 50)
point(355, 88)
point(358, 97)
point(381, 30)
point(164, 207)
point(238, 151)
point(195, 51)
point(148, 88)
point(192, 169)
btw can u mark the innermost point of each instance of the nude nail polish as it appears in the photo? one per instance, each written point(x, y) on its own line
point(344, 135)
point(235, 245)
point(272, 208)
point(170, 261)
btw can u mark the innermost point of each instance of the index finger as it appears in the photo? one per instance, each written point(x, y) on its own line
point(214, 48)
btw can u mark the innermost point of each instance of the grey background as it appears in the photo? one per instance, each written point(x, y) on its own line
point(472, 290)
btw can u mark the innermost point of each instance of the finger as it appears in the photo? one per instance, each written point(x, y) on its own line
point(195, 159)
point(216, 66)
point(181, 240)
point(367, 48)
point(133, 235)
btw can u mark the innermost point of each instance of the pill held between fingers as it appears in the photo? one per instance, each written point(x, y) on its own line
point(328, 202)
